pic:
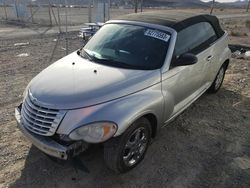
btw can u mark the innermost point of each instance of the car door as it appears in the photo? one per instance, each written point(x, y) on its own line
point(212, 50)
point(182, 84)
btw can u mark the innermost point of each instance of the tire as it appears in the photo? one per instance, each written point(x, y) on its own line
point(123, 153)
point(218, 80)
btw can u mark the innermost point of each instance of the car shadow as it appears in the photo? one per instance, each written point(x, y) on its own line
point(196, 150)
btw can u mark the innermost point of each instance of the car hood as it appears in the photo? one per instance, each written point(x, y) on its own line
point(74, 82)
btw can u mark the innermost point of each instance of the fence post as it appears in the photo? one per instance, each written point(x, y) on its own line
point(59, 19)
point(31, 13)
point(248, 4)
point(108, 10)
point(141, 5)
point(90, 11)
point(17, 15)
point(50, 19)
point(136, 5)
point(212, 7)
point(66, 27)
point(5, 12)
point(55, 19)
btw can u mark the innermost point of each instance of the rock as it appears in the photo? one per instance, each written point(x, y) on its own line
point(247, 55)
point(242, 162)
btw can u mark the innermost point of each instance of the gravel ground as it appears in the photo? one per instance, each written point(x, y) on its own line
point(206, 146)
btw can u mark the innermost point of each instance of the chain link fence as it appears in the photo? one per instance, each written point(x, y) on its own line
point(73, 12)
point(51, 14)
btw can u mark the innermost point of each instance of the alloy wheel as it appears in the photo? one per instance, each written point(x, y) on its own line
point(135, 147)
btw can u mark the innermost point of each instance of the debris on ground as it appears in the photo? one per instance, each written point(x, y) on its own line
point(239, 52)
point(23, 55)
point(247, 55)
point(21, 44)
point(237, 55)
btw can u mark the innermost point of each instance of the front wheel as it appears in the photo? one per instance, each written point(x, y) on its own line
point(126, 151)
point(218, 80)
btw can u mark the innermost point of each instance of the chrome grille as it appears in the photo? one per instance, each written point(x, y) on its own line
point(39, 119)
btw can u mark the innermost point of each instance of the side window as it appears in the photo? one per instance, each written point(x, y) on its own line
point(194, 38)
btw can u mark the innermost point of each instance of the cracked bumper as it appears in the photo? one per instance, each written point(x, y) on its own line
point(47, 144)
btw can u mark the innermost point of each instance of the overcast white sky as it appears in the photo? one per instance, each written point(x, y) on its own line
point(221, 0)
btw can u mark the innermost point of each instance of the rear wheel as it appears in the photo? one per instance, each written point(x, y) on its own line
point(218, 80)
point(125, 152)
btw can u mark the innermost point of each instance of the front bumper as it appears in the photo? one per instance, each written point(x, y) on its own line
point(47, 144)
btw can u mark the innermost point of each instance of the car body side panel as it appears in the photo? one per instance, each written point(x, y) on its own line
point(220, 53)
point(180, 83)
point(183, 84)
point(123, 111)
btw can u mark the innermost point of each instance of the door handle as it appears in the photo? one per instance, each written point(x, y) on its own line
point(209, 58)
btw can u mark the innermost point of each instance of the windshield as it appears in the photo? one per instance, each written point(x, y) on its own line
point(128, 46)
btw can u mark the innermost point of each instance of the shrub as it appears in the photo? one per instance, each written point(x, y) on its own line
point(248, 24)
point(235, 33)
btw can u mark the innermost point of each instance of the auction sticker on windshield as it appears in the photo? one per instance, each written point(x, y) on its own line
point(157, 34)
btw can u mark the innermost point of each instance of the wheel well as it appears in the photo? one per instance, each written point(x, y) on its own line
point(153, 122)
point(226, 63)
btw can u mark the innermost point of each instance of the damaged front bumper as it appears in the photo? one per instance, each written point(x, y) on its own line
point(48, 145)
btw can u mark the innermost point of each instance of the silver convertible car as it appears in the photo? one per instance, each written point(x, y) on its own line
point(134, 76)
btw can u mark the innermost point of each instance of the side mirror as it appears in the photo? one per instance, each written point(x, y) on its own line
point(186, 59)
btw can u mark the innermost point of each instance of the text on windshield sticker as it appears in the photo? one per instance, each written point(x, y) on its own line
point(157, 34)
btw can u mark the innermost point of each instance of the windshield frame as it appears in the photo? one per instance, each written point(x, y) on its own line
point(169, 53)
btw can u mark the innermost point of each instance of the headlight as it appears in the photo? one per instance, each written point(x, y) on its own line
point(94, 132)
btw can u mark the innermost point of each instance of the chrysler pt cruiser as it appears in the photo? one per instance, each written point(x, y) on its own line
point(134, 76)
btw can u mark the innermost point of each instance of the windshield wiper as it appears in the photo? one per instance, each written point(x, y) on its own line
point(83, 53)
point(114, 63)
point(106, 61)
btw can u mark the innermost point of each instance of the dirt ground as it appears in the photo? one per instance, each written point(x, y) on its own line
point(206, 146)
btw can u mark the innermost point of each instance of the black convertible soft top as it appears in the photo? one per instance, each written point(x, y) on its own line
point(176, 20)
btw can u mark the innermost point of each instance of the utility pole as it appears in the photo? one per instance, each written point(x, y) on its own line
point(212, 7)
point(248, 4)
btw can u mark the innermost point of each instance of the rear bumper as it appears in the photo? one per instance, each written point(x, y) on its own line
point(47, 144)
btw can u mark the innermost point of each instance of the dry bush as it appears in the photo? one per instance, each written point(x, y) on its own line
point(248, 24)
point(236, 33)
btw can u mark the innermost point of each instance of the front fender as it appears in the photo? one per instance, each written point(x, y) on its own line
point(123, 111)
